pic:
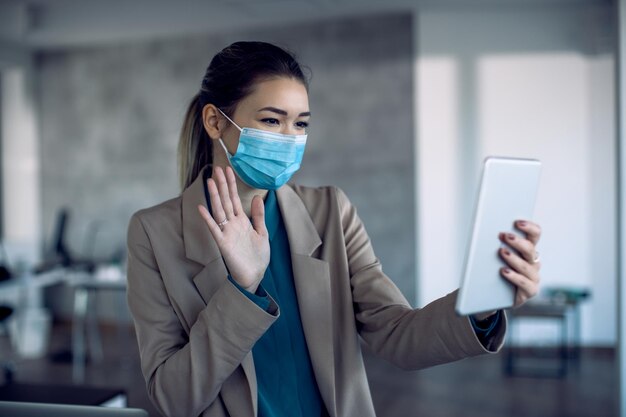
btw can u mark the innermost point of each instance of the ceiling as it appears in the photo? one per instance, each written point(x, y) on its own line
point(42, 24)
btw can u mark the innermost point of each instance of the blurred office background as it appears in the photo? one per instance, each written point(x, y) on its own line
point(407, 98)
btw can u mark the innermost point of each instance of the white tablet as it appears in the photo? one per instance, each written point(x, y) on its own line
point(508, 188)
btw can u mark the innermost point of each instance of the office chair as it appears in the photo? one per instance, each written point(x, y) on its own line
point(5, 313)
point(60, 255)
point(7, 367)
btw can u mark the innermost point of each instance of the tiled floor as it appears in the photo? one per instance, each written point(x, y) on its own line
point(473, 387)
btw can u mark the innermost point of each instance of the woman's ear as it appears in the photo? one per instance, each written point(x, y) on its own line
point(211, 121)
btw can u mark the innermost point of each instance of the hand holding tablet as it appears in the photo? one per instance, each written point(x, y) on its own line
point(500, 278)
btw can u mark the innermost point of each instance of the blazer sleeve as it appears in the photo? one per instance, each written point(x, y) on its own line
point(184, 371)
point(409, 338)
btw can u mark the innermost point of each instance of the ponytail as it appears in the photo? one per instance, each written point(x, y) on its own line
point(195, 148)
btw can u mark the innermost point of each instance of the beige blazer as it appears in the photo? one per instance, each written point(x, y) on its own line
point(196, 330)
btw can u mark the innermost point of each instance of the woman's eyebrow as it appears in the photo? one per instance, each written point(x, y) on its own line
point(283, 112)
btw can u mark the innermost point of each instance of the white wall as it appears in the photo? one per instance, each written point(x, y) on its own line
point(525, 83)
point(21, 211)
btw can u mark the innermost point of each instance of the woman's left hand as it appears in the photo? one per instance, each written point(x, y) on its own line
point(522, 259)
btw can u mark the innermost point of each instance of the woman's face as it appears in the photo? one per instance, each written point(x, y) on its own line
point(278, 105)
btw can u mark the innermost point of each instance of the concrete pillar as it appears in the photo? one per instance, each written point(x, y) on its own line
point(621, 103)
point(21, 208)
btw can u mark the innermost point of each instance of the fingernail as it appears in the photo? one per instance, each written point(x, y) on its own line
point(510, 236)
point(521, 223)
point(506, 252)
point(506, 271)
point(501, 236)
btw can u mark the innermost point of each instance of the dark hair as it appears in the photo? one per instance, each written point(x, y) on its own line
point(230, 77)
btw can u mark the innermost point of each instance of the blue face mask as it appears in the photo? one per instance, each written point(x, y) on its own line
point(265, 160)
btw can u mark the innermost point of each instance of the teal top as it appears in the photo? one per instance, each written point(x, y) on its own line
point(286, 382)
point(285, 379)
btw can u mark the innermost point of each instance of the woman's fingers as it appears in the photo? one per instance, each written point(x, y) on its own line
point(531, 229)
point(225, 201)
point(222, 187)
point(525, 287)
point(523, 246)
point(213, 227)
point(216, 202)
point(234, 194)
point(521, 256)
point(520, 265)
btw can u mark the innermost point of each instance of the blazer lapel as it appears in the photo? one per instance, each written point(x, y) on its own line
point(312, 282)
point(200, 247)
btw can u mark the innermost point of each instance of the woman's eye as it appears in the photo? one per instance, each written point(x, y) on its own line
point(271, 121)
point(302, 125)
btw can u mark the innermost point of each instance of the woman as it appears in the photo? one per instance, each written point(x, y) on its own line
point(249, 295)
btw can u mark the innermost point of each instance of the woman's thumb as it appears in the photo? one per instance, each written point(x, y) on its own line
point(258, 215)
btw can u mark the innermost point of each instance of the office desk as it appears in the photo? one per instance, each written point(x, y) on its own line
point(26, 291)
point(86, 287)
point(559, 304)
point(29, 323)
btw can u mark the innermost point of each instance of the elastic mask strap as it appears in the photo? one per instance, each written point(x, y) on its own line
point(225, 150)
point(230, 120)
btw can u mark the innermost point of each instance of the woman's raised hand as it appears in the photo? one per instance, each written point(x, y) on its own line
point(244, 245)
